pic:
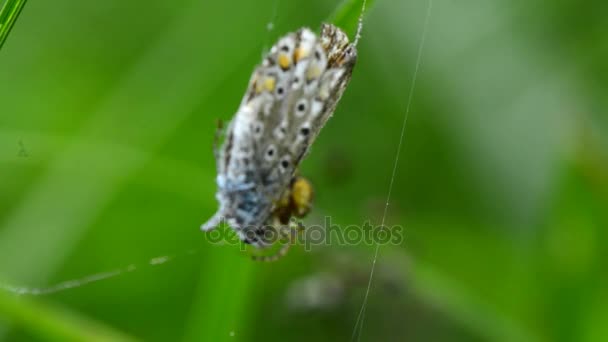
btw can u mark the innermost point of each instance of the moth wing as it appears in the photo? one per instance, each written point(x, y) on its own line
point(289, 99)
point(302, 79)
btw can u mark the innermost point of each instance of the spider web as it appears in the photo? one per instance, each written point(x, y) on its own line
point(165, 259)
point(358, 328)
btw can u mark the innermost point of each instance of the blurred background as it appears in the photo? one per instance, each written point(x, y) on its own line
point(107, 115)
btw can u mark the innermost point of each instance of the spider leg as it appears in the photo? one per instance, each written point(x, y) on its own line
point(291, 235)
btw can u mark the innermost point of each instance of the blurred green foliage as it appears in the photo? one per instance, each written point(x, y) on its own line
point(107, 113)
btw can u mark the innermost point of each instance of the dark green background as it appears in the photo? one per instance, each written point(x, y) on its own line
point(502, 183)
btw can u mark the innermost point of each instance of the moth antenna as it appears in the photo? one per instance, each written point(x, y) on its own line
point(360, 24)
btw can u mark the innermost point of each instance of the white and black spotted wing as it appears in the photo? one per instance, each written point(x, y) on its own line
point(289, 99)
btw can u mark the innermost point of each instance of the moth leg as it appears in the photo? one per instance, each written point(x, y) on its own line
point(294, 229)
point(219, 131)
point(213, 222)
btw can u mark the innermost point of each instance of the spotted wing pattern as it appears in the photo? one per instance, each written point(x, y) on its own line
point(289, 99)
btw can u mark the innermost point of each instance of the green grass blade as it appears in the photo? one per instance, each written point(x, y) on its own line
point(54, 323)
point(8, 16)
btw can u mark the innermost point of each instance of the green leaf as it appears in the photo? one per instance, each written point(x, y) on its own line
point(8, 16)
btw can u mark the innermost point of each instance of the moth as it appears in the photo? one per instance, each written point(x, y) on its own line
point(290, 97)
